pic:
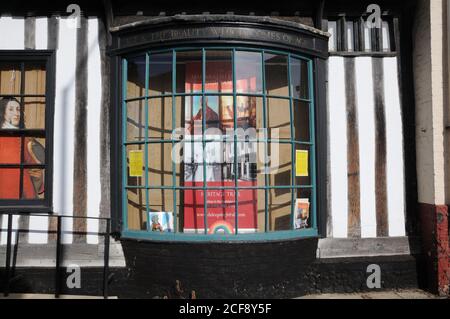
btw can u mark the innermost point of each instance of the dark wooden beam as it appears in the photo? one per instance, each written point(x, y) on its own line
point(105, 176)
point(380, 149)
point(109, 19)
point(80, 147)
point(354, 207)
point(52, 44)
point(318, 15)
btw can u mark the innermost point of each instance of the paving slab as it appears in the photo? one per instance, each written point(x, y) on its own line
point(50, 296)
point(385, 294)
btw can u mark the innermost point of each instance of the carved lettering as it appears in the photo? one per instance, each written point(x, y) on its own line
point(223, 32)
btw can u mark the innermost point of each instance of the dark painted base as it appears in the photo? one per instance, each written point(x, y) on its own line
point(257, 270)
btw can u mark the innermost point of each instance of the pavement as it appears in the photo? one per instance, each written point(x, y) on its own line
point(385, 294)
point(49, 296)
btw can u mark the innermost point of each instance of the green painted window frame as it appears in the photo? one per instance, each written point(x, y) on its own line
point(267, 235)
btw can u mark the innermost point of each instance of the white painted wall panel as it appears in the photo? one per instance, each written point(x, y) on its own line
point(38, 230)
point(350, 32)
point(41, 33)
point(338, 146)
point(394, 150)
point(39, 224)
point(93, 130)
point(367, 38)
point(386, 37)
point(12, 33)
point(366, 133)
point(332, 41)
point(64, 125)
point(12, 37)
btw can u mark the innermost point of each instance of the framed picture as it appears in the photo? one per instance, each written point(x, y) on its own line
point(161, 221)
point(301, 213)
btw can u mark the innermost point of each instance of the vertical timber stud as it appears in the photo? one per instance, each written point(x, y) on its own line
point(380, 149)
point(30, 33)
point(361, 34)
point(403, 48)
point(356, 36)
point(105, 176)
point(341, 34)
point(321, 144)
point(318, 15)
point(115, 147)
point(52, 44)
point(80, 147)
point(354, 224)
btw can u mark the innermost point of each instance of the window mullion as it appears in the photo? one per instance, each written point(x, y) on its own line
point(174, 176)
point(266, 150)
point(236, 170)
point(205, 195)
point(124, 139)
point(22, 125)
point(147, 192)
point(293, 165)
point(312, 140)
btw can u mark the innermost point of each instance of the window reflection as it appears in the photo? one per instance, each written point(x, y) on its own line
point(248, 72)
point(136, 77)
point(299, 79)
point(219, 77)
point(189, 71)
point(276, 72)
point(160, 73)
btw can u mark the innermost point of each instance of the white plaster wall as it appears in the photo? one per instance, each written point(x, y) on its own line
point(429, 95)
point(338, 147)
point(12, 37)
point(39, 224)
point(93, 130)
point(395, 173)
point(63, 148)
point(366, 133)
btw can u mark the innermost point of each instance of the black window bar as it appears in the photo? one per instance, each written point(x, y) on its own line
point(8, 270)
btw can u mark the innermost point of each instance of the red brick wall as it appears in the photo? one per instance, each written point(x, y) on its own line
point(435, 244)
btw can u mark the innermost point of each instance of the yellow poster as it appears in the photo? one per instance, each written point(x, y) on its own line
point(136, 163)
point(301, 167)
